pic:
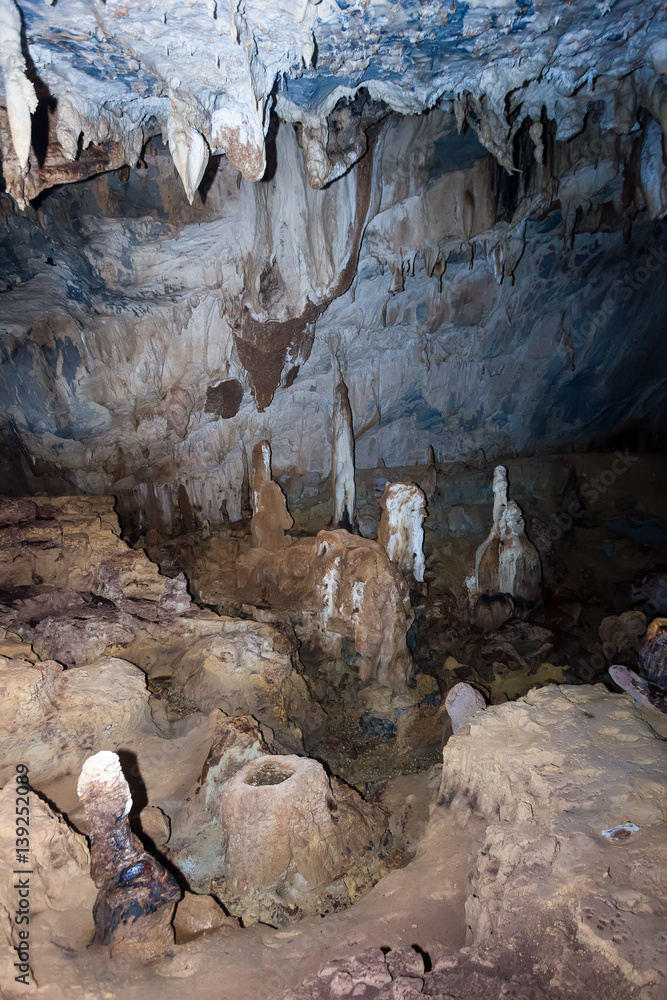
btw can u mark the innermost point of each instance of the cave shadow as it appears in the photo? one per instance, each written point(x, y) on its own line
point(270, 147)
point(130, 766)
point(212, 168)
point(46, 102)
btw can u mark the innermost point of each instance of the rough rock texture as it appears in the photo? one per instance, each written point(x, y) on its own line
point(72, 544)
point(555, 910)
point(60, 893)
point(209, 78)
point(97, 598)
point(196, 837)
point(331, 588)
point(549, 774)
point(137, 896)
point(253, 285)
point(53, 719)
point(247, 668)
point(295, 841)
point(399, 974)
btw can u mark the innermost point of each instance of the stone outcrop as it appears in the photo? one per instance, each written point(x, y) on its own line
point(332, 588)
point(53, 718)
point(60, 891)
point(549, 774)
point(245, 668)
point(555, 909)
point(73, 544)
point(295, 841)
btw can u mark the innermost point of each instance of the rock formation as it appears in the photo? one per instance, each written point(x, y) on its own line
point(332, 588)
point(136, 899)
point(487, 559)
point(403, 508)
point(519, 567)
point(413, 246)
point(620, 636)
point(342, 455)
point(270, 517)
point(462, 703)
point(72, 544)
point(295, 842)
point(507, 562)
point(649, 685)
point(60, 892)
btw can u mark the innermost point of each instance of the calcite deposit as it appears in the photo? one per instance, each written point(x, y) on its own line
point(294, 842)
point(403, 508)
point(333, 499)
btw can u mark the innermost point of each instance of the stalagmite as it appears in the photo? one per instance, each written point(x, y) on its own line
point(19, 91)
point(291, 833)
point(429, 482)
point(137, 896)
point(401, 533)
point(342, 455)
point(487, 558)
point(507, 562)
point(270, 518)
point(261, 469)
point(462, 702)
point(519, 568)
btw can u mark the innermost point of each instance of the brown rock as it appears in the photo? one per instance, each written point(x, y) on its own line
point(334, 587)
point(136, 898)
point(155, 825)
point(72, 543)
point(61, 891)
point(292, 837)
point(197, 914)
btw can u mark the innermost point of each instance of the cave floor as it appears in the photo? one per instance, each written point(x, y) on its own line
point(420, 904)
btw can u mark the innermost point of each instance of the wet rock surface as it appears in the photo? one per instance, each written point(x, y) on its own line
point(136, 898)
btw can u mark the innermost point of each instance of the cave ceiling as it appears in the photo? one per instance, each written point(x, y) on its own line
point(463, 202)
point(208, 75)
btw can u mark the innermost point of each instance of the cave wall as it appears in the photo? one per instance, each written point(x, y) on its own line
point(148, 343)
